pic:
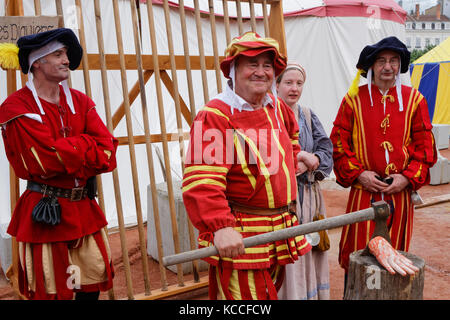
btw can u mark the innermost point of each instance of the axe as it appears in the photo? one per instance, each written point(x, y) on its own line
point(379, 213)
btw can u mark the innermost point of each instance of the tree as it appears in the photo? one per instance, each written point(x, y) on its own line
point(417, 53)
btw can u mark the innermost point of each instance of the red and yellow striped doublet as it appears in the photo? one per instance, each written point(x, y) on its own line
point(383, 139)
point(246, 157)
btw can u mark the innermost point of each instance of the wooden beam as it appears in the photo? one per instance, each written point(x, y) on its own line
point(175, 290)
point(113, 63)
point(153, 138)
point(132, 95)
point(169, 85)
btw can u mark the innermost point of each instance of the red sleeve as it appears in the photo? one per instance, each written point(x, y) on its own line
point(422, 149)
point(346, 166)
point(90, 153)
point(205, 174)
point(32, 150)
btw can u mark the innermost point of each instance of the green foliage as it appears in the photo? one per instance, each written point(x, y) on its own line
point(417, 53)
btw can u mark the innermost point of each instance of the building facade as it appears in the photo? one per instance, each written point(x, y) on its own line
point(431, 27)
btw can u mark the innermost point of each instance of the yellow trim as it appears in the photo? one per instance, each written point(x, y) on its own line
point(205, 168)
point(251, 284)
point(203, 176)
point(108, 153)
point(419, 172)
point(216, 111)
point(244, 165)
point(59, 157)
point(24, 164)
point(203, 181)
point(279, 108)
point(283, 154)
point(35, 154)
point(263, 167)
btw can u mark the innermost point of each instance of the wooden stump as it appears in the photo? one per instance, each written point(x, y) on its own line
point(368, 280)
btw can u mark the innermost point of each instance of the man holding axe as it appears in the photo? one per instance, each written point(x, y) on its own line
point(243, 182)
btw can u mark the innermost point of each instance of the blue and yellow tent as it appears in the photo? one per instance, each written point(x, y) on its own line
point(430, 74)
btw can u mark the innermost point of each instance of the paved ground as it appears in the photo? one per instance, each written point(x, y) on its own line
point(430, 241)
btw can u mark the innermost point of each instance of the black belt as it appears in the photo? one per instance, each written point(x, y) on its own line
point(75, 194)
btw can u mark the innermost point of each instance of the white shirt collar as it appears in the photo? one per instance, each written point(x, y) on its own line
point(237, 102)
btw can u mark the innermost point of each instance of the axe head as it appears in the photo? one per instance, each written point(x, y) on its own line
point(382, 212)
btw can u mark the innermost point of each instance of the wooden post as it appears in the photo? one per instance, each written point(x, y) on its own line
point(276, 25)
point(187, 61)
point(226, 20)
point(368, 280)
point(166, 168)
point(266, 18)
point(201, 52)
point(13, 8)
point(141, 231)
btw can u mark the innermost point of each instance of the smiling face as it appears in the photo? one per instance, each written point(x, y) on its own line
point(53, 67)
point(291, 86)
point(254, 76)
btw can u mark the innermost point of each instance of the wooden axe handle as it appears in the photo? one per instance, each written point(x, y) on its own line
point(329, 223)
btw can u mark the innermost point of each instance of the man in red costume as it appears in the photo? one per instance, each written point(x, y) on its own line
point(56, 141)
point(383, 145)
point(239, 179)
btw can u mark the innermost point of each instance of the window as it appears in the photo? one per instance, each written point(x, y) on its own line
point(423, 25)
point(418, 45)
point(427, 42)
point(437, 41)
point(432, 26)
point(414, 25)
point(443, 26)
point(408, 42)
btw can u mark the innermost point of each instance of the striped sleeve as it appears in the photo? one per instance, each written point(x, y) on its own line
point(422, 149)
point(204, 180)
point(347, 168)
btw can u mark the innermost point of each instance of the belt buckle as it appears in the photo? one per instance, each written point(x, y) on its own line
point(77, 194)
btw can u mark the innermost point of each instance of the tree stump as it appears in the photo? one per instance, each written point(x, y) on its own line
point(368, 280)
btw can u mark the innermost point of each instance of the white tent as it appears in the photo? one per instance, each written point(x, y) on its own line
point(324, 36)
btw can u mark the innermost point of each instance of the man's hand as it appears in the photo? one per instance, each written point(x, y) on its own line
point(399, 183)
point(228, 242)
point(369, 181)
point(310, 160)
point(389, 258)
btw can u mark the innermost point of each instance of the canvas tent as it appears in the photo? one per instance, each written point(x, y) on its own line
point(430, 74)
point(324, 36)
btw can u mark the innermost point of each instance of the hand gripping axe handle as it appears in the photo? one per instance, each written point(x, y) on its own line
point(379, 212)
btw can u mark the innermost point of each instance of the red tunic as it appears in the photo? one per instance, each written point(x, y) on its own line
point(60, 149)
point(247, 157)
point(362, 136)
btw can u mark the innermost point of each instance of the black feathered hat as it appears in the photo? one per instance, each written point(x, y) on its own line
point(29, 43)
point(370, 53)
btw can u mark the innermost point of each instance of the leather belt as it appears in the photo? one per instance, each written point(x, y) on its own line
point(75, 194)
point(291, 207)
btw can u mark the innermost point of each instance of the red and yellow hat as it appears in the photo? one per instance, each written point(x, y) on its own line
point(250, 44)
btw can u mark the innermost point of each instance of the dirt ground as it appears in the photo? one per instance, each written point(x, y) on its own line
point(430, 241)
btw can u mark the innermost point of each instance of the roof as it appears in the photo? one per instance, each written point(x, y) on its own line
point(427, 18)
point(383, 9)
point(441, 53)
